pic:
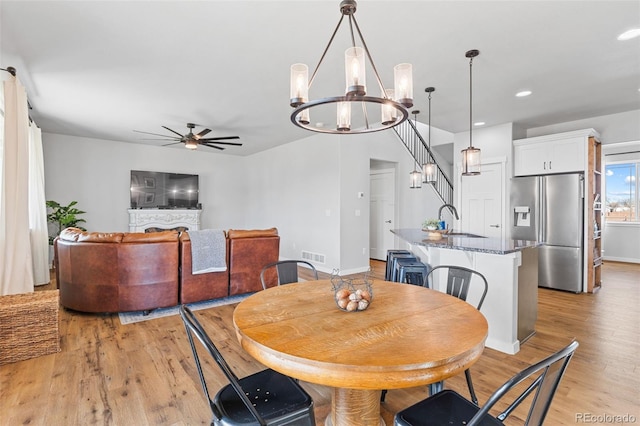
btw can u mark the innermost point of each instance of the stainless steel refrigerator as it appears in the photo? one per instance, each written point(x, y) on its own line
point(550, 209)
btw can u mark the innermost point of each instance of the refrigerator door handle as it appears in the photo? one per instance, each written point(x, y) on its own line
point(542, 208)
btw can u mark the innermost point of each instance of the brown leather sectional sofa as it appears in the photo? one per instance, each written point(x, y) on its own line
point(119, 272)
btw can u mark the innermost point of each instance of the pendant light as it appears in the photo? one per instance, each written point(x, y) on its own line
point(415, 177)
point(429, 168)
point(471, 155)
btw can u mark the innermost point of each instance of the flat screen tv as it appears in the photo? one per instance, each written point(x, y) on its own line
point(160, 190)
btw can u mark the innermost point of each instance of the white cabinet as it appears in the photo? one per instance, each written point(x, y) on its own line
point(560, 153)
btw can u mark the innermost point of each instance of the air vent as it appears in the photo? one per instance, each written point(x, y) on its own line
point(313, 257)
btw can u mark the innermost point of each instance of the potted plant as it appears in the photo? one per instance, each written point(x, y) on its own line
point(63, 217)
point(430, 224)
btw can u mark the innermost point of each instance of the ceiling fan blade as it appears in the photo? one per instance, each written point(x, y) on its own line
point(174, 143)
point(202, 133)
point(155, 134)
point(179, 134)
point(220, 138)
point(168, 138)
point(221, 143)
point(212, 146)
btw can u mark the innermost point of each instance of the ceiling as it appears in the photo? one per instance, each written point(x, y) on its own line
point(102, 69)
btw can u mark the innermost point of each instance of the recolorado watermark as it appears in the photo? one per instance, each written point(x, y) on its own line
point(605, 418)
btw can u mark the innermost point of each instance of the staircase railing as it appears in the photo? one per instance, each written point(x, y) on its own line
point(417, 147)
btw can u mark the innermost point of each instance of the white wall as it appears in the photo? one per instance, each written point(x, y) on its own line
point(296, 188)
point(96, 173)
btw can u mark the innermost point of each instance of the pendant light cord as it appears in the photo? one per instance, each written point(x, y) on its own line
point(470, 102)
point(429, 134)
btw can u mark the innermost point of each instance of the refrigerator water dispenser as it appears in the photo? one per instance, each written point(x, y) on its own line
point(522, 216)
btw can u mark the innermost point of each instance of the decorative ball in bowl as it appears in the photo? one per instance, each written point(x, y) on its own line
point(352, 295)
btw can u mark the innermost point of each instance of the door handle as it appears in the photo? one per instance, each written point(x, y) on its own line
point(387, 221)
point(495, 226)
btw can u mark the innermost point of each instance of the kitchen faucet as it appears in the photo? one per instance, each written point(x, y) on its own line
point(453, 211)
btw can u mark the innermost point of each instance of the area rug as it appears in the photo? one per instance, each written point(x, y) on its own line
point(138, 316)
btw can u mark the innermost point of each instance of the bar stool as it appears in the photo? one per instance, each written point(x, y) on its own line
point(398, 263)
point(413, 273)
point(391, 255)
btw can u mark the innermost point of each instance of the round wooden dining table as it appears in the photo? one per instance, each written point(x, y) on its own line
point(408, 336)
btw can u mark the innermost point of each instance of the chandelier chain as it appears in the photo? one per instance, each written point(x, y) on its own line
point(315, 71)
point(366, 49)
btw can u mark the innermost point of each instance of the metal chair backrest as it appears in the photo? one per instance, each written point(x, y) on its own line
point(551, 370)
point(287, 271)
point(193, 327)
point(459, 281)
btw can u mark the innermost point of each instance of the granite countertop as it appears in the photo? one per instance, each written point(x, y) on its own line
point(419, 237)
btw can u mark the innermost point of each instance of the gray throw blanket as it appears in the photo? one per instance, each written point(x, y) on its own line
point(208, 251)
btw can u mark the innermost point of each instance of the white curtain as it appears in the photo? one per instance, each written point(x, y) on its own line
point(16, 271)
point(39, 235)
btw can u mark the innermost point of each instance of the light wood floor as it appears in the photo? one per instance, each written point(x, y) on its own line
point(143, 373)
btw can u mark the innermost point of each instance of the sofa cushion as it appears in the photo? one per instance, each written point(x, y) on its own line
point(70, 234)
point(153, 237)
point(100, 237)
point(251, 233)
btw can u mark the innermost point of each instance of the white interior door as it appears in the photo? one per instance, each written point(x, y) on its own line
point(382, 212)
point(482, 201)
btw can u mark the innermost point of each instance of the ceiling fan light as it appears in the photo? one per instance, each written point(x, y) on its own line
point(191, 144)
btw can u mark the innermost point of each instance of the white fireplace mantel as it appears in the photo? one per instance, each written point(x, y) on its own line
point(141, 219)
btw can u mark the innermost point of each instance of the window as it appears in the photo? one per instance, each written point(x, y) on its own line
point(622, 192)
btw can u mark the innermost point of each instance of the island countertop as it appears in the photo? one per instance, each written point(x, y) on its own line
point(415, 236)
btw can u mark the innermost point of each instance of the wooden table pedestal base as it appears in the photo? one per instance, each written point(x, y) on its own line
point(354, 407)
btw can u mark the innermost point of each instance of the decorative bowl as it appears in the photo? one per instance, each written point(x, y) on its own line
point(352, 295)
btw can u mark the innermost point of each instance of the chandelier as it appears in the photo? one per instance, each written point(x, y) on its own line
point(353, 110)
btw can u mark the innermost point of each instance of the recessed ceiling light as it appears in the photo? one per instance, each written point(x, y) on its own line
point(628, 35)
point(479, 123)
point(523, 93)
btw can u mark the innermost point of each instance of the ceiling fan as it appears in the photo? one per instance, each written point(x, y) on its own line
point(192, 141)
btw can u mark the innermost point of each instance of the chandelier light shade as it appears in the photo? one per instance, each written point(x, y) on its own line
point(403, 82)
point(388, 112)
point(429, 169)
point(299, 84)
point(355, 74)
point(471, 155)
point(357, 112)
point(344, 116)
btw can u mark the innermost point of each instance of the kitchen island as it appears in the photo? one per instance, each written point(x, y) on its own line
point(510, 267)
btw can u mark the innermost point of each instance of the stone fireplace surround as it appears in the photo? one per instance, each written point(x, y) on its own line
point(141, 219)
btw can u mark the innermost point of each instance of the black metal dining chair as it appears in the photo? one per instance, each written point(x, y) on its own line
point(263, 398)
point(458, 284)
point(450, 408)
point(459, 281)
point(287, 271)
